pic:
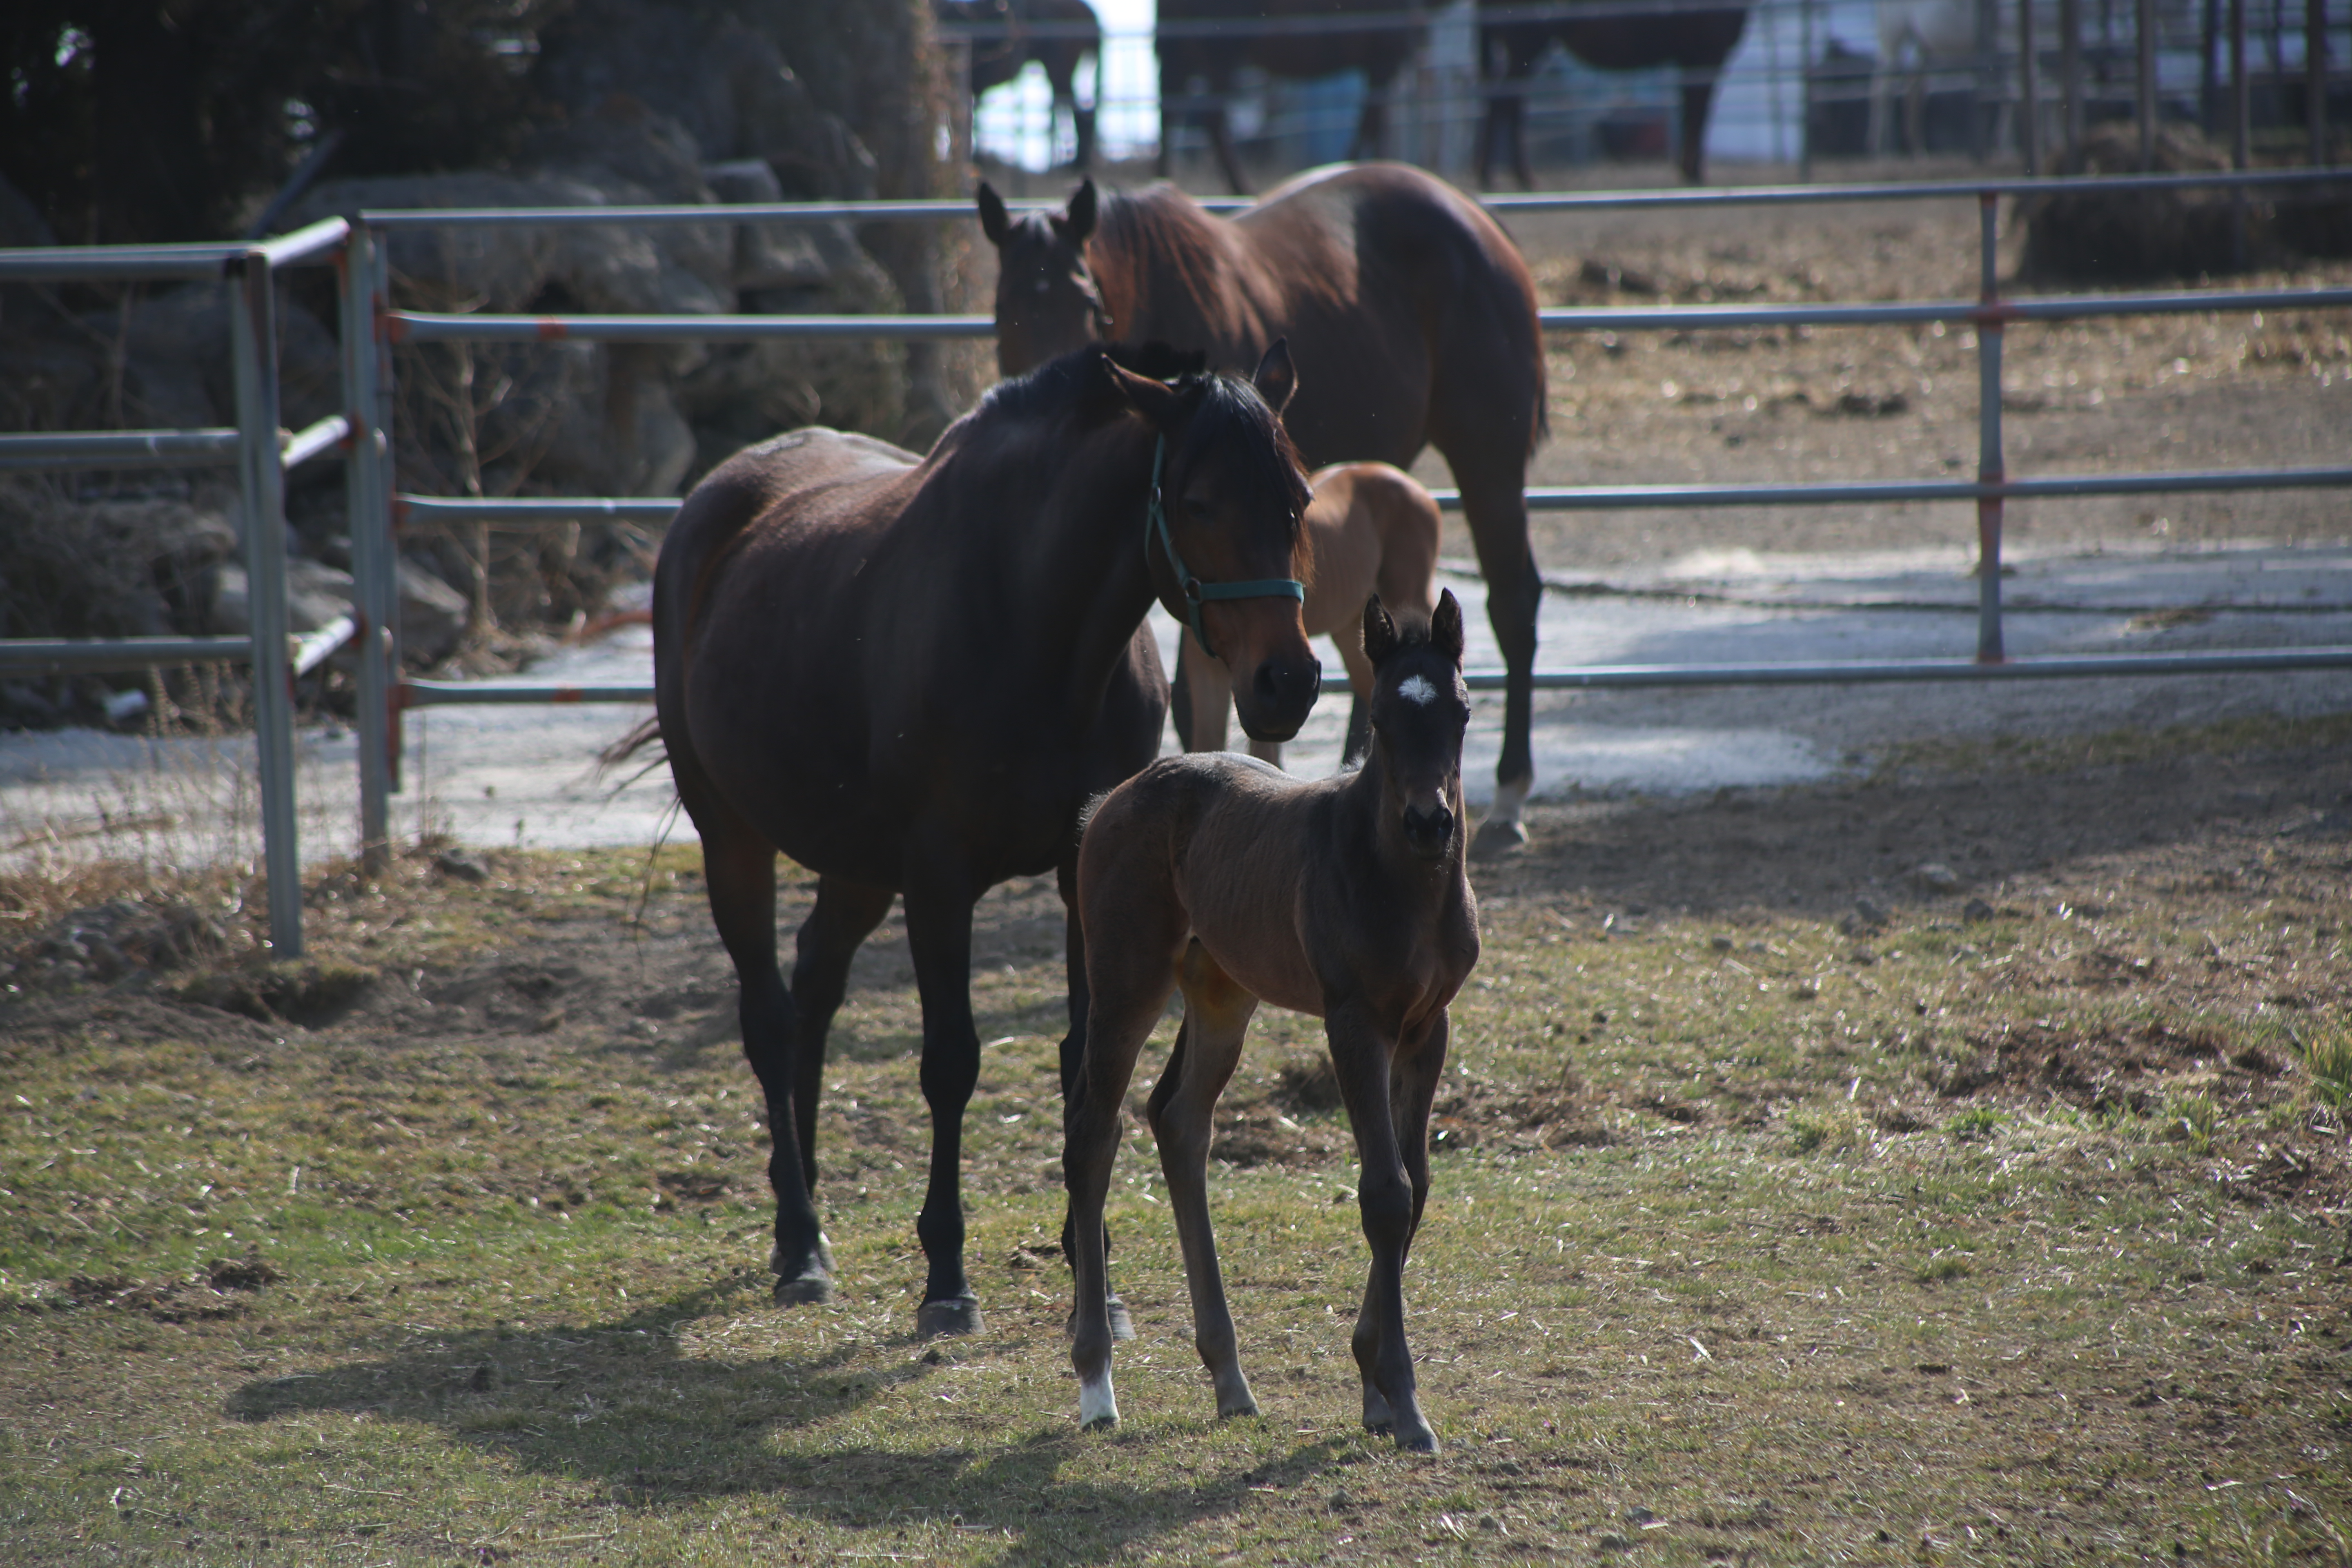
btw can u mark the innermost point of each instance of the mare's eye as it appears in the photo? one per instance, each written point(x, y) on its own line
point(1198, 509)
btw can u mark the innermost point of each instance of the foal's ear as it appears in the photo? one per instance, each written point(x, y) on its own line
point(1275, 378)
point(1379, 632)
point(994, 220)
point(1157, 401)
point(1445, 627)
point(1078, 219)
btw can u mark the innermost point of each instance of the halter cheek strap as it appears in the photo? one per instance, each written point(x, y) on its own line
point(1190, 589)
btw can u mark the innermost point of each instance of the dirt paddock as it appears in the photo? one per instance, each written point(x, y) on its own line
point(1946, 1162)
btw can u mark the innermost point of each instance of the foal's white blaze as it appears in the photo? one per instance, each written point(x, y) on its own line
point(1097, 1406)
point(1416, 689)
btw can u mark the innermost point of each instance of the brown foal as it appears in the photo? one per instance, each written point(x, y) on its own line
point(1344, 899)
point(1371, 529)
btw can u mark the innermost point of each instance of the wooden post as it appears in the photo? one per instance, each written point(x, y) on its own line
point(2070, 76)
point(2314, 76)
point(2029, 92)
point(2144, 31)
point(2240, 127)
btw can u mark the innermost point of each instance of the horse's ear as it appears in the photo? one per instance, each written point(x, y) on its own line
point(1155, 400)
point(1079, 218)
point(1275, 377)
point(994, 220)
point(1379, 632)
point(1445, 627)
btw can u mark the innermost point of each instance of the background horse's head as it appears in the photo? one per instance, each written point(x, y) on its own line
point(1226, 511)
point(1421, 706)
point(1047, 302)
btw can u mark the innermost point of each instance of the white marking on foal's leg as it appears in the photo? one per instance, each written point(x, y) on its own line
point(1417, 689)
point(1097, 1406)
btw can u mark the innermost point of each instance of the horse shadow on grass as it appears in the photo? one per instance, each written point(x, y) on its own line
point(616, 1403)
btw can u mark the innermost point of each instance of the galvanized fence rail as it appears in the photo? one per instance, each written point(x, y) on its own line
point(262, 454)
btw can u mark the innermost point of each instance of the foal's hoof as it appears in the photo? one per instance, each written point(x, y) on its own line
point(955, 1315)
point(1497, 839)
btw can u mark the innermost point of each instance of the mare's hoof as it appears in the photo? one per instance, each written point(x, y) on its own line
point(1496, 840)
point(1122, 1327)
point(811, 1288)
point(1418, 1440)
point(1101, 1423)
point(1246, 1407)
point(956, 1315)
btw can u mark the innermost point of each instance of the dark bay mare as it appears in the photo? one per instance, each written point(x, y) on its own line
point(908, 675)
point(1344, 899)
point(1212, 39)
point(1409, 311)
point(1617, 36)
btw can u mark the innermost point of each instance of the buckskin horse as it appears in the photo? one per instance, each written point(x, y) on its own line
point(1410, 315)
point(1345, 899)
point(1371, 529)
point(908, 675)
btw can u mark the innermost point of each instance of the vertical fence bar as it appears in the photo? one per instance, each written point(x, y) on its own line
point(1990, 468)
point(382, 517)
point(2070, 77)
point(2315, 77)
point(2029, 92)
point(1805, 92)
point(2241, 129)
point(253, 349)
point(2145, 39)
point(363, 491)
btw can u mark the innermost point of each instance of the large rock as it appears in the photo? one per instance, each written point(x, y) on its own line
point(316, 594)
point(433, 616)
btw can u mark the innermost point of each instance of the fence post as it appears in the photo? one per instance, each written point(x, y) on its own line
point(1990, 468)
point(2070, 76)
point(364, 491)
point(2143, 32)
point(382, 515)
point(253, 352)
point(2315, 77)
point(2239, 130)
point(2029, 92)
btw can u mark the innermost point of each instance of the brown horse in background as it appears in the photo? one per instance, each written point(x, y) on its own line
point(1371, 530)
point(1345, 900)
point(908, 675)
point(1409, 310)
point(1621, 38)
point(1241, 38)
point(1006, 35)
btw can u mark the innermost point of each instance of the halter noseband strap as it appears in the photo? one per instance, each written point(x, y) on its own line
point(1190, 589)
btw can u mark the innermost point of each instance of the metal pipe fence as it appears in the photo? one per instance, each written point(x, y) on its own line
point(378, 510)
point(262, 454)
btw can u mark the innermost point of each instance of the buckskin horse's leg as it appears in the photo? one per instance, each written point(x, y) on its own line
point(939, 937)
point(1073, 1056)
point(846, 915)
point(1359, 1059)
point(1182, 1110)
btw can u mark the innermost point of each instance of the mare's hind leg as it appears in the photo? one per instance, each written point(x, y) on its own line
point(939, 937)
point(1361, 1058)
point(846, 915)
point(739, 871)
point(1182, 1109)
point(1492, 471)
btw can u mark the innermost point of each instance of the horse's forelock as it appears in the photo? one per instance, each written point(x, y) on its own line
point(1230, 412)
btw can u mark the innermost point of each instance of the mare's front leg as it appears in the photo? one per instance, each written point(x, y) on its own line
point(1361, 1058)
point(1182, 1112)
point(938, 936)
point(1205, 694)
point(846, 915)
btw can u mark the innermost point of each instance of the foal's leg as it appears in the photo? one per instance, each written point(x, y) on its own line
point(1360, 1056)
point(1074, 1055)
point(938, 936)
point(846, 915)
point(1350, 644)
point(1182, 1112)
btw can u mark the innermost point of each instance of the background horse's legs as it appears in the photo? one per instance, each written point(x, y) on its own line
point(1698, 91)
point(1360, 1053)
point(846, 915)
point(740, 870)
point(1494, 503)
point(1221, 137)
point(938, 938)
point(1182, 1112)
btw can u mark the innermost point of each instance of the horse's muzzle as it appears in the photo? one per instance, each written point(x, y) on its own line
point(1282, 692)
point(1429, 833)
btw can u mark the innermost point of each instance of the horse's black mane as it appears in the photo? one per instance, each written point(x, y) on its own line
point(1075, 380)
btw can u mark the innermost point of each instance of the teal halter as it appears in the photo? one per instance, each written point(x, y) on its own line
point(1194, 592)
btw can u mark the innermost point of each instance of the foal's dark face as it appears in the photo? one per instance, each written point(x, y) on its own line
point(1421, 708)
point(1046, 303)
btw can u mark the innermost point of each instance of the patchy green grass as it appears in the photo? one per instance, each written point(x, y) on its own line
point(1749, 1242)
